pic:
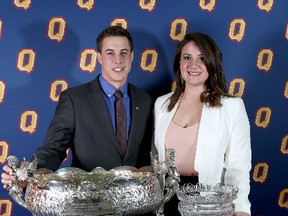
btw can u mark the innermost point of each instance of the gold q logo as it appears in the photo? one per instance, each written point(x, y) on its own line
point(149, 60)
point(25, 4)
point(178, 29)
point(284, 145)
point(265, 5)
point(207, 5)
point(263, 117)
point(260, 172)
point(119, 22)
point(237, 87)
point(4, 147)
point(56, 88)
point(28, 122)
point(56, 29)
point(26, 60)
point(86, 4)
point(6, 207)
point(237, 29)
point(88, 60)
point(283, 201)
point(2, 91)
point(147, 5)
point(265, 60)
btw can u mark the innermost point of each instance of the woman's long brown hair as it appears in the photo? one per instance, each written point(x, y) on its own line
point(215, 85)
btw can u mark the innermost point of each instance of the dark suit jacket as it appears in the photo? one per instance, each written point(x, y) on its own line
point(82, 123)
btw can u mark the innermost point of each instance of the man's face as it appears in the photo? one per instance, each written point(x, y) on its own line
point(116, 58)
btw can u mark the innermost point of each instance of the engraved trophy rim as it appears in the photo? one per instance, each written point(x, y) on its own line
point(201, 193)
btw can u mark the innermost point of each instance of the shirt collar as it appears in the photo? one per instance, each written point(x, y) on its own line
point(109, 89)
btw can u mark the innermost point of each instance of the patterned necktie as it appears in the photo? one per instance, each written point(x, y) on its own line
point(120, 120)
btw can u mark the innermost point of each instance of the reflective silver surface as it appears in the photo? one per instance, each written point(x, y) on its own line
point(123, 190)
point(201, 199)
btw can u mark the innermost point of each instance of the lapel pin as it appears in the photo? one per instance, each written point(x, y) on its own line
point(137, 108)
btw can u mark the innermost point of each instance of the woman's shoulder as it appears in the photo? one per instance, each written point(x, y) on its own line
point(231, 101)
point(232, 104)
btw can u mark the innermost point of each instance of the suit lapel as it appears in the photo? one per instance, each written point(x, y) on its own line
point(135, 112)
point(99, 105)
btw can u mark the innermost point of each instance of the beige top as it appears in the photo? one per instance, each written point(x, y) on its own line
point(183, 141)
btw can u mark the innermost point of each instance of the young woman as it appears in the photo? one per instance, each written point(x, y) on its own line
point(208, 128)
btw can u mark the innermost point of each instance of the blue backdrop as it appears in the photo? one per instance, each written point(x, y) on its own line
point(47, 46)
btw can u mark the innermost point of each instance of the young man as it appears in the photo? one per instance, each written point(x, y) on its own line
point(85, 118)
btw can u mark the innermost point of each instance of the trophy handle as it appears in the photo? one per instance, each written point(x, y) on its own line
point(171, 182)
point(16, 192)
point(21, 171)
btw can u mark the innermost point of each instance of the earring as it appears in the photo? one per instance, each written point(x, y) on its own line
point(211, 83)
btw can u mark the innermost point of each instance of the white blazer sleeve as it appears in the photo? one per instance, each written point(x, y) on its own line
point(238, 155)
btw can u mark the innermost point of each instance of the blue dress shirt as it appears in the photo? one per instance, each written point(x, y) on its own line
point(108, 91)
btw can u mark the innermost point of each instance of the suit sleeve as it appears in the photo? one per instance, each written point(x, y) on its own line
point(238, 156)
point(59, 136)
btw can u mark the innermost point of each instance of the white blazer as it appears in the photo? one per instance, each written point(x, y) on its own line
point(223, 151)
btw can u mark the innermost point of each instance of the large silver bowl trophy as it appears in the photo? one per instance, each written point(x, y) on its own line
point(71, 191)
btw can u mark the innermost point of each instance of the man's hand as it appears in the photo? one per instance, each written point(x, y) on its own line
point(6, 177)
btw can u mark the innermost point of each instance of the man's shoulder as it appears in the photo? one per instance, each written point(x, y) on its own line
point(81, 87)
point(138, 91)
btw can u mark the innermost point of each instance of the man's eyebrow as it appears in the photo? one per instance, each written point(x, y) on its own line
point(109, 50)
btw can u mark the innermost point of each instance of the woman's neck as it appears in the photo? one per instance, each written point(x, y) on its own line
point(192, 94)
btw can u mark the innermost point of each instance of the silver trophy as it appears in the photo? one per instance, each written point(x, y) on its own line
point(206, 200)
point(71, 191)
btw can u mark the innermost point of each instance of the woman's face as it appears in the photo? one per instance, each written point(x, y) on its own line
point(192, 66)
